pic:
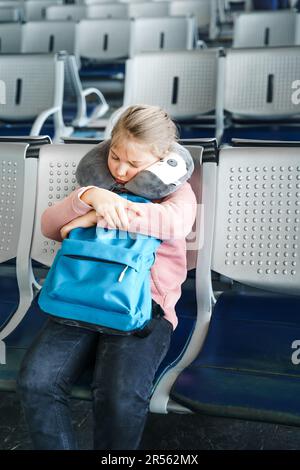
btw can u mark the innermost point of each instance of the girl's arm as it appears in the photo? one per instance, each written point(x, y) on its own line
point(61, 213)
point(172, 218)
point(83, 221)
point(112, 210)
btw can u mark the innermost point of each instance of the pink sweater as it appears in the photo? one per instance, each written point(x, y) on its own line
point(171, 221)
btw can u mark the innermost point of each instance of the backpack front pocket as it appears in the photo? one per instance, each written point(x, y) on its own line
point(93, 282)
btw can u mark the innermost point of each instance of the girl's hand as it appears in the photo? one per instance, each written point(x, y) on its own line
point(87, 220)
point(112, 210)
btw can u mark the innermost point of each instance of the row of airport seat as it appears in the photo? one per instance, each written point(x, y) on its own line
point(249, 93)
point(99, 40)
point(55, 10)
point(233, 93)
point(208, 15)
point(233, 352)
point(109, 39)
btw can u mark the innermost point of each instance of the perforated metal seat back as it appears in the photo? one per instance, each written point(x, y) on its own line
point(30, 85)
point(259, 82)
point(103, 38)
point(154, 34)
point(56, 180)
point(66, 12)
point(107, 11)
point(147, 9)
point(200, 8)
point(48, 36)
point(257, 217)
point(263, 29)
point(12, 164)
point(10, 38)
point(182, 82)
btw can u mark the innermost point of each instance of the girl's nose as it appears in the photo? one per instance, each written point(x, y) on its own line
point(122, 170)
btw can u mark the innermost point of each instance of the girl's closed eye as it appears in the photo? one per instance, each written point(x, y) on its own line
point(129, 163)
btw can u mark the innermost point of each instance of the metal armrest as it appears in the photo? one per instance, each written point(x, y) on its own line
point(102, 108)
point(60, 128)
point(41, 119)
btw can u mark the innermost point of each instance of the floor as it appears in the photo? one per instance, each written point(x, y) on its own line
point(162, 432)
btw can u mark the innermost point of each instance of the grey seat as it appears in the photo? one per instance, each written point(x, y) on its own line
point(56, 165)
point(35, 10)
point(55, 159)
point(201, 9)
point(103, 39)
point(48, 36)
point(162, 33)
point(18, 176)
point(259, 84)
point(10, 38)
point(25, 239)
point(182, 82)
point(66, 12)
point(11, 10)
point(108, 10)
point(147, 9)
point(243, 367)
point(271, 29)
point(34, 90)
point(223, 14)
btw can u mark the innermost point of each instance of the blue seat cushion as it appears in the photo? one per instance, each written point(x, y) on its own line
point(245, 367)
point(271, 132)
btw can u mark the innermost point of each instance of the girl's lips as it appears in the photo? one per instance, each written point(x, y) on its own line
point(119, 181)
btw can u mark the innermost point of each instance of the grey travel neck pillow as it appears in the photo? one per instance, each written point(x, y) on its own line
point(155, 182)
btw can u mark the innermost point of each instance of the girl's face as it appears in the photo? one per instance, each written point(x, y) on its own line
point(126, 159)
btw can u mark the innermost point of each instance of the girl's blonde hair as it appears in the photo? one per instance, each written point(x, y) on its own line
point(146, 124)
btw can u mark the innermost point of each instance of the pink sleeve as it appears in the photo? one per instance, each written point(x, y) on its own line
point(173, 218)
point(58, 215)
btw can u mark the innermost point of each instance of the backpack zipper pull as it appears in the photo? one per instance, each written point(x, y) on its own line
point(122, 274)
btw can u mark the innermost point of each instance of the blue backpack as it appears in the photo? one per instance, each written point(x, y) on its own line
point(101, 277)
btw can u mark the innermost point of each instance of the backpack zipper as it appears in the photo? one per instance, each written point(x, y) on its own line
point(96, 259)
point(122, 274)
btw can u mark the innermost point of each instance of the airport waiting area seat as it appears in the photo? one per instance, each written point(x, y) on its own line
point(201, 9)
point(35, 10)
point(272, 29)
point(260, 97)
point(50, 174)
point(59, 37)
point(184, 83)
point(48, 37)
point(162, 33)
point(247, 366)
point(33, 92)
point(147, 9)
point(59, 12)
point(10, 38)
